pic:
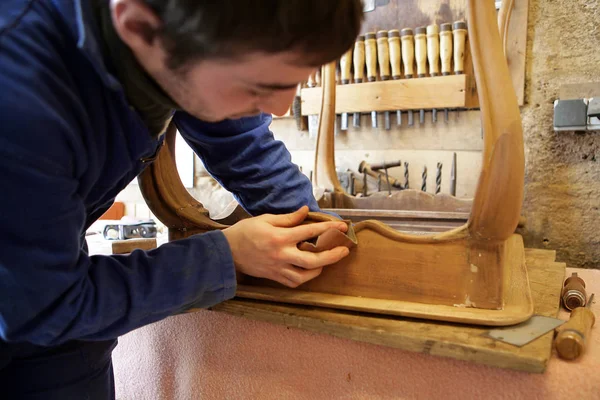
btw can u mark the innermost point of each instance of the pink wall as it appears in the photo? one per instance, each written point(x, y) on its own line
point(209, 355)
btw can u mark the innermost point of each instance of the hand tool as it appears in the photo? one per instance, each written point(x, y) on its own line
point(571, 338)
point(297, 110)
point(371, 61)
point(383, 56)
point(459, 34)
point(405, 175)
point(424, 179)
point(345, 64)
point(438, 178)
point(433, 56)
point(446, 53)
point(358, 59)
point(421, 59)
point(142, 229)
point(453, 176)
point(408, 57)
point(525, 332)
point(365, 168)
point(377, 167)
point(573, 292)
point(365, 192)
point(395, 61)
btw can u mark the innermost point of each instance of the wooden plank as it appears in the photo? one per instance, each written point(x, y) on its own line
point(129, 245)
point(403, 94)
point(463, 342)
point(585, 90)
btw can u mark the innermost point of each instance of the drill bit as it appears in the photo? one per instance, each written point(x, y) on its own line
point(405, 175)
point(424, 179)
point(438, 178)
point(453, 176)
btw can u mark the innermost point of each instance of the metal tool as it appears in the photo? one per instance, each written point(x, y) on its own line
point(408, 57)
point(446, 54)
point(453, 176)
point(424, 179)
point(525, 332)
point(371, 62)
point(421, 59)
point(571, 339)
point(438, 178)
point(358, 59)
point(459, 34)
point(383, 56)
point(433, 56)
point(405, 175)
point(142, 229)
point(573, 292)
point(395, 62)
point(366, 169)
point(345, 65)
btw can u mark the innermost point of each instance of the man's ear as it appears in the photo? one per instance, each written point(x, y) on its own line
point(135, 23)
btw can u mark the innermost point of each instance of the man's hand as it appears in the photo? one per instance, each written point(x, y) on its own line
point(266, 247)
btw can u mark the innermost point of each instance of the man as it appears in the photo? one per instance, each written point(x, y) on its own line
point(87, 89)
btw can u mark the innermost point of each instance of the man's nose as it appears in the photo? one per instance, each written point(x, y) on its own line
point(278, 103)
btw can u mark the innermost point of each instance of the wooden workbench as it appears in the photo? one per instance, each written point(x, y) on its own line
point(430, 337)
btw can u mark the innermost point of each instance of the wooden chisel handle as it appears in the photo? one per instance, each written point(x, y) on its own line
point(395, 55)
point(572, 336)
point(371, 56)
point(446, 48)
point(358, 59)
point(460, 37)
point(408, 52)
point(421, 51)
point(383, 55)
point(345, 65)
point(433, 49)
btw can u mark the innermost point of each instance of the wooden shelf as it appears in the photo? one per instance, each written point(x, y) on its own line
point(404, 94)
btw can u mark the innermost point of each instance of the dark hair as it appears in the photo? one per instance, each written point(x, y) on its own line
point(321, 30)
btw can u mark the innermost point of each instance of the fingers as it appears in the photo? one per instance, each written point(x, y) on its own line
point(308, 231)
point(288, 220)
point(309, 260)
point(293, 276)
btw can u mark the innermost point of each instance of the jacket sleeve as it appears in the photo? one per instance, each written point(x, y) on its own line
point(51, 291)
point(244, 157)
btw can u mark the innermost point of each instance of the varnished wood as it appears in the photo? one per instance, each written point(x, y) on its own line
point(462, 342)
point(129, 245)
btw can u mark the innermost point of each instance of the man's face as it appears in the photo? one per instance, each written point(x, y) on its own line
point(214, 90)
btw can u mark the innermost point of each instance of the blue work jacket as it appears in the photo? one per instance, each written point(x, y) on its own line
point(69, 143)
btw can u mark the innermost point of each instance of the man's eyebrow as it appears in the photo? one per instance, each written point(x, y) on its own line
point(276, 86)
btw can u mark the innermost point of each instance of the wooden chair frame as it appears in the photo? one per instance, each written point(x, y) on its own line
point(474, 273)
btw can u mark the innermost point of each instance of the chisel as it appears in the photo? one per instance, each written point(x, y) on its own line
point(459, 33)
point(345, 64)
point(383, 56)
point(371, 61)
point(433, 56)
point(421, 59)
point(313, 120)
point(395, 57)
point(446, 53)
point(408, 57)
point(358, 59)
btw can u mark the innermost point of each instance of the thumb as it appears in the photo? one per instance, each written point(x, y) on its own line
point(288, 220)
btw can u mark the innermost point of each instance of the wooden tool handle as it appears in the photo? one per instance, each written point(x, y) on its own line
point(572, 336)
point(358, 59)
point(408, 52)
point(345, 65)
point(446, 48)
point(395, 55)
point(312, 80)
point(460, 37)
point(371, 56)
point(433, 49)
point(421, 51)
point(383, 55)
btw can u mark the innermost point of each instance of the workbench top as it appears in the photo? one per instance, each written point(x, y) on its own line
point(214, 355)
